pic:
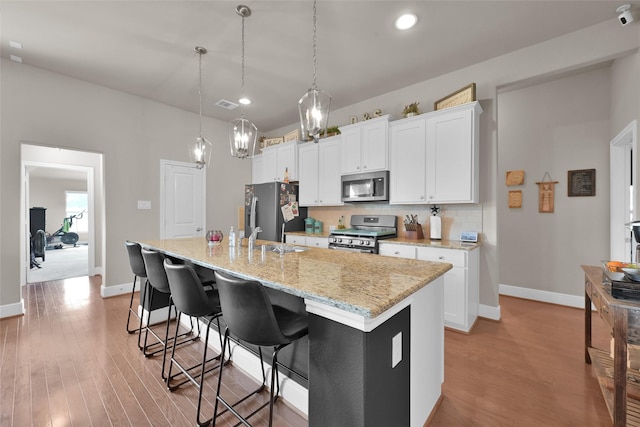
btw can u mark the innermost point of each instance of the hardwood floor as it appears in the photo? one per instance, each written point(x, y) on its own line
point(69, 361)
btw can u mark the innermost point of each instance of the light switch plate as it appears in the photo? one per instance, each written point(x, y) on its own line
point(469, 236)
point(396, 349)
point(144, 204)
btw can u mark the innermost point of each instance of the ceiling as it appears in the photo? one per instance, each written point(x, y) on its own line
point(146, 48)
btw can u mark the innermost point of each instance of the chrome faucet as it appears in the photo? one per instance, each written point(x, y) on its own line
point(252, 238)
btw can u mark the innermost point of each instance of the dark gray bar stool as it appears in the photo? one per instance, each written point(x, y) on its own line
point(251, 317)
point(139, 272)
point(191, 298)
point(157, 277)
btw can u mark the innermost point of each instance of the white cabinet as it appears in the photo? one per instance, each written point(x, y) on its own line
point(365, 145)
point(434, 157)
point(278, 158)
point(319, 174)
point(315, 242)
point(461, 285)
point(408, 174)
point(257, 171)
point(399, 251)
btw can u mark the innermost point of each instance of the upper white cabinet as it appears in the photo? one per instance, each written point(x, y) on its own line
point(275, 160)
point(365, 145)
point(320, 172)
point(257, 171)
point(434, 157)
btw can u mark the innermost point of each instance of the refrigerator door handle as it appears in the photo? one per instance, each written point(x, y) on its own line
point(252, 214)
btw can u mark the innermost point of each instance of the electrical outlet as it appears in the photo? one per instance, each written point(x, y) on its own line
point(396, 349)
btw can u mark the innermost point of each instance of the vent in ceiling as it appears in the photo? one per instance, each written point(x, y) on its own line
point(227, 104)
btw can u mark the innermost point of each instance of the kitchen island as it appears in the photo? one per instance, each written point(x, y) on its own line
point(376, 336)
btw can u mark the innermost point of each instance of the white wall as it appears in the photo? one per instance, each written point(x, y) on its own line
point(552, 128)
point(133, 133)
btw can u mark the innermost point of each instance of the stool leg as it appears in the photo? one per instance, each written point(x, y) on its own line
point(133, 292)
point(144, 300)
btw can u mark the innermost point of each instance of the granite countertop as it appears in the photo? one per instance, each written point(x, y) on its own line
point(358, 283)
point(445, 244)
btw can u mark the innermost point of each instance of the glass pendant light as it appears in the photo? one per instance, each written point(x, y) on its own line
point(200, 151)
point(314, 105)
point(242, 133)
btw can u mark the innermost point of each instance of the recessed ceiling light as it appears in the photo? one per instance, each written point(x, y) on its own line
point(406, 21)
point(244, 101)
point(15, 58)
point(15, 44)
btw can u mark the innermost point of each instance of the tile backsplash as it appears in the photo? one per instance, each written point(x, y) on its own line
point(455, 218)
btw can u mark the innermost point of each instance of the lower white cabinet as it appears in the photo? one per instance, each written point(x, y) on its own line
point(316, 242)
point(461, 283)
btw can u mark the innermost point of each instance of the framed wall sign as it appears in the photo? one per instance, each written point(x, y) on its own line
point(515, 178)
point(582, 183)
point(294, 135)
point(461, 96)
point(515, 199)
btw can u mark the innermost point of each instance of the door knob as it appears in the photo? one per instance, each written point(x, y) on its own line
point(199, 229)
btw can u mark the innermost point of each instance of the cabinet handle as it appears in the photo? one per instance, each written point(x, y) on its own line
point(604, 310)
point(421, 197)
point(440, 257)
point(396, 253)
point(320, 201)
point(364, 167)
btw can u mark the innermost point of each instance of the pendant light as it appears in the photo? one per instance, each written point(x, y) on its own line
point(200, 151)
point(314, 105)
point(242, 133)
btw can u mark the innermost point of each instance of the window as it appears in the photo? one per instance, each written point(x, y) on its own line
point(77, 204)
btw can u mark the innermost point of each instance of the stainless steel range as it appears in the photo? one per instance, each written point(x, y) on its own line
point(364, 234)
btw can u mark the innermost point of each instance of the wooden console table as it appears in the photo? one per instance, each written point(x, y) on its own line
point(620, 387)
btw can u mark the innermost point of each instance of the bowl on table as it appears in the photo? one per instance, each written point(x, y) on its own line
point(632, 273)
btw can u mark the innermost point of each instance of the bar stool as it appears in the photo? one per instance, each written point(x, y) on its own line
point(191, 298)
point(157, 277)
point(252, 318)
point(138, 269)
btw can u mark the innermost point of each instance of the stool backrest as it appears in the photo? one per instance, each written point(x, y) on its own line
point(187, 291)
point(247, 311)
point(135, 259)
point(154, 264)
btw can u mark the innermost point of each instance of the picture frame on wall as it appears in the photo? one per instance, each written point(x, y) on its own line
point(581, 183)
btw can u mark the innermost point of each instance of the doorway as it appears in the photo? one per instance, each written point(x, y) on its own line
point(74, 166)
point(623, 152)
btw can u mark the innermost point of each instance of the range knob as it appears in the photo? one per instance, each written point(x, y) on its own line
point(339, 240)
point(351, 241)
point(368, 242)
point(362, 242)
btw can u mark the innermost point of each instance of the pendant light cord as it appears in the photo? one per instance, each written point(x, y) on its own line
point(314, 87)
point(242, 72)
point(200, 88)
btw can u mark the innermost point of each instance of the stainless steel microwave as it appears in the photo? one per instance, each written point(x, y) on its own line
point(366, 187)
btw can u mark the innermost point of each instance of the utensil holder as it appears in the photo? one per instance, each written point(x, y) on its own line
point(415, 234)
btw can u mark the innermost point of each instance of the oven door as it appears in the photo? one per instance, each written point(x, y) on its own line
point(352, 249)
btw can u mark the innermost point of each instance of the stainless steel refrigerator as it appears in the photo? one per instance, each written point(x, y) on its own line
point(263, 203)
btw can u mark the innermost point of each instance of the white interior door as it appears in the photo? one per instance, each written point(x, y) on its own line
point(623, 151)
point(182, 200)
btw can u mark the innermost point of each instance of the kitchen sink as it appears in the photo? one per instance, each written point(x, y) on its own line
point(287, 248)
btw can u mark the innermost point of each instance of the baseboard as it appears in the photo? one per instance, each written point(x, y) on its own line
point(291, 392)
point(10, 310)
point(115, 290)
point(542, 296)
point(489, 312)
